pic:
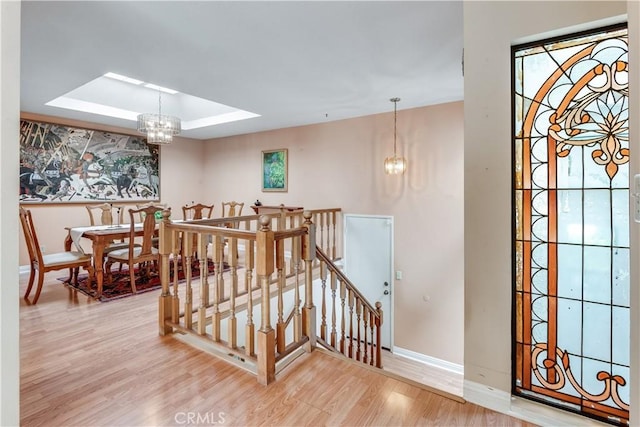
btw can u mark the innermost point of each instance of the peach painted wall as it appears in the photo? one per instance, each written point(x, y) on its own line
point(340, 164)
point(487, 166)
point(181, 179)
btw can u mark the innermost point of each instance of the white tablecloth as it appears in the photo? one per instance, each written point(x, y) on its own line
point(77, 232)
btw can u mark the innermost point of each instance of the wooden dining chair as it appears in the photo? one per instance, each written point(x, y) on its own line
point(49, 262)
point(232, 209)
point(139, 206)
point(146, 254)
point(104, 214)
point(196, 211)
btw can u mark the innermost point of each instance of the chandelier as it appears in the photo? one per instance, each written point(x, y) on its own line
point(395, 165)
point(159, 128)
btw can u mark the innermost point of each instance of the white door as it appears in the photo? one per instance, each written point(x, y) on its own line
point(368, 263)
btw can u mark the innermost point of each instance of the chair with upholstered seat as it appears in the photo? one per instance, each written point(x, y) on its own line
point(196, 211)
point(145, 254)
point(44, 263)
point(140, 217)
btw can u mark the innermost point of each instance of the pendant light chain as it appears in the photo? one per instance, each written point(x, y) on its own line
point(395, 165)
point(395, 121)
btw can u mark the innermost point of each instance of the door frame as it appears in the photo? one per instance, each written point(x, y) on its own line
point(387, 317)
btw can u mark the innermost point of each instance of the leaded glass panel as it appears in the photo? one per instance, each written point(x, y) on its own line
point(571, 197)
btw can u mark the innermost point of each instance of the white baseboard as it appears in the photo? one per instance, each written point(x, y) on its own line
point(433, 361)
point(533, 412)
point(24, 269)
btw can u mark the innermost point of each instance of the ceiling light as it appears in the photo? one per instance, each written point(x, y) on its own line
point(159, 128)
point(395, 165)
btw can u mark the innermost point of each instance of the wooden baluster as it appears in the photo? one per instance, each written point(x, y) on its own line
point(249, 346)
point(297, 318)
point(316, 220)
point(379, 321)
point(204, 266)
point(177, 259)
point(204, 291)
point(247, 283)
point(351, 300)
point(343, 324)
point(187, 249)
point(323, 321)
point(294, 242)
point(358, 316)
point(334, 283)
point(164, 302)
point(280, 326)
point(365, 318)
point(371, 325)
point(233, 264)
point(309, 255)
point(334, 254)
point(323, 223)
point(220, 269)
point(266, 334)
point(216, 317)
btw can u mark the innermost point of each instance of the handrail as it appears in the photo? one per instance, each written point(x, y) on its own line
point(291, 313)
point(220, 231)
point(332, 267)
point(256, 260)
point(353, 343)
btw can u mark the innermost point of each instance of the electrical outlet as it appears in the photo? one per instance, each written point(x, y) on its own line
point(43, 249)
point(398, 275)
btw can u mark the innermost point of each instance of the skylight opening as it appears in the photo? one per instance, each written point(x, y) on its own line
point(118, 96)
point(123, 78)
point(160, 88)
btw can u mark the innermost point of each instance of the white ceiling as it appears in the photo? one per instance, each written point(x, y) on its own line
point(294, 63)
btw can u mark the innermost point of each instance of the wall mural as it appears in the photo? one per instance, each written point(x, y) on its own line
point(66, 164)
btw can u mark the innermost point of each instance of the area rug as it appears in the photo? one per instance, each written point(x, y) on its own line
point(120, 287)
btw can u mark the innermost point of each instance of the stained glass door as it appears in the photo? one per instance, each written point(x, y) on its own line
point(571, 237)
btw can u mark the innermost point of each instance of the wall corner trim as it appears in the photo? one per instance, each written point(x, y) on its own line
point(533, 412)
point(433, 361)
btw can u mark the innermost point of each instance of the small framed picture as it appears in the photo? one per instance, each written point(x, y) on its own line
point(274, 170)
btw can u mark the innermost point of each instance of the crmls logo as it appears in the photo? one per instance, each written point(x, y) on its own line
point(199, 418)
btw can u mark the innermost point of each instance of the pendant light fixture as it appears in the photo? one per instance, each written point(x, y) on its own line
point(159, 128)
point(395, 165)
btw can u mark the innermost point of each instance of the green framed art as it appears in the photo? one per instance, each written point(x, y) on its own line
point(275, 170)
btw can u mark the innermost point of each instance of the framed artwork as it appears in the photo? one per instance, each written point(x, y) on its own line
point(63, 164)
point(274, 170)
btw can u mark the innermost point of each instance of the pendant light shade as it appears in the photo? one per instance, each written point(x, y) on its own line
point(395, 165)
point(159, 128)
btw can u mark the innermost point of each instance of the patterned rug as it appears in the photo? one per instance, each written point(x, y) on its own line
point(121, 287)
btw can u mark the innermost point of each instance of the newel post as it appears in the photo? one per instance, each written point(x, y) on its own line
point(309, 255)
point(266, 334)
point(164, 301)
point(379, 321)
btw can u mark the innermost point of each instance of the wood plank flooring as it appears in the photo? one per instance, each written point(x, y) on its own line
point(85, 363)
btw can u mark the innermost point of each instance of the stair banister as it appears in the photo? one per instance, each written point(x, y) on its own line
point(308, 255)
point(266, 334)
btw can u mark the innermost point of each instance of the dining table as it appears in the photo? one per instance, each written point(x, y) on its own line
point(100, 236)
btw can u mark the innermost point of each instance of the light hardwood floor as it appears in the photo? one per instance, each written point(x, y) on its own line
point(85, 363)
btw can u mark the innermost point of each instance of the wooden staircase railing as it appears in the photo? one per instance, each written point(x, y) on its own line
point(359, 341)
point(260, 264)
